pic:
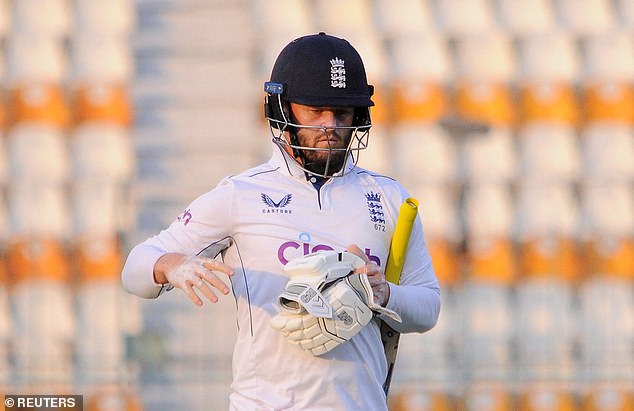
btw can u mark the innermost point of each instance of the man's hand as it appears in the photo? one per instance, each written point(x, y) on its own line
point(189, 272)
point(380, 287)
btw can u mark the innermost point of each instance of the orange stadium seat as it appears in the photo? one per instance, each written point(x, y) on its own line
point(608, 101)
point(547, 219)
point(374, 54)
point(382, 111)
point(550, 258)
point(609, 244)
point(490, 396)
point(422, 69)
point(37, 260)
point(101, 72)
point(545, 101)
point(3, 271)
point(485, 68)
point(607, 92)
point(36, 68)
point(420, 399)
point(546, 398)
point(443, 232)
point(608, 397)
point(98, 258)
point(418, 100)
point(606, 299)
point(446, 258)
point(112, 398)
point(102, 103)
point(549, 68)
point(43, 318)
point(3, 110)
point(609, 256)
point(490, 252)
point(39, 103)
point(487, 102)
point(492, 260)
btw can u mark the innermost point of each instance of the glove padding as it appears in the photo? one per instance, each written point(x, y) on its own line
point(324, 303)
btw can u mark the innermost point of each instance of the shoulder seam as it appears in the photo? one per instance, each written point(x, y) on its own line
point(264, 172)
point(257, 173)
point(374, 174)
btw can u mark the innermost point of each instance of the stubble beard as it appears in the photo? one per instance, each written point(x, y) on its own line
point(317, 160)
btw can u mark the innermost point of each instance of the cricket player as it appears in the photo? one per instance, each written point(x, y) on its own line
point(303, 241)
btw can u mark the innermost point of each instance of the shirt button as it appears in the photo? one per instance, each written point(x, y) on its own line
point(313, 180)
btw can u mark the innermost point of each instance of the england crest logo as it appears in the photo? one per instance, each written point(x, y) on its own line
point(375, 208)
point(337, 73)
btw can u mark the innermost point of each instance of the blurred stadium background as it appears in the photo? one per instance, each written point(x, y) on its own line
point(116, 113)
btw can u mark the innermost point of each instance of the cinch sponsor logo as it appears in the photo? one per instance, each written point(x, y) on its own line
point(293, 249)
point(185, 217)
point(276, 207)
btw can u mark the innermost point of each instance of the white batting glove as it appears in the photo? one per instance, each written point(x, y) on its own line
point(325, 302)
point(310, 274)
point(196, 272)
point(318, 335)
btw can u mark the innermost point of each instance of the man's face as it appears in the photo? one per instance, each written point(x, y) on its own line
point(327, 137)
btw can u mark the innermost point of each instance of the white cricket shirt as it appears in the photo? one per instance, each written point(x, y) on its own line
point(273, 214)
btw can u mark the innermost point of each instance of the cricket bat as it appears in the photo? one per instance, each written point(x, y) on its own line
point(394, 266)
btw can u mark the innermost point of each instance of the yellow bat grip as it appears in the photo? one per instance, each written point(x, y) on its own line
point(400, 240)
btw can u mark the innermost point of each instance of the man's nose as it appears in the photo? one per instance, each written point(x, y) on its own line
point(329, 119)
